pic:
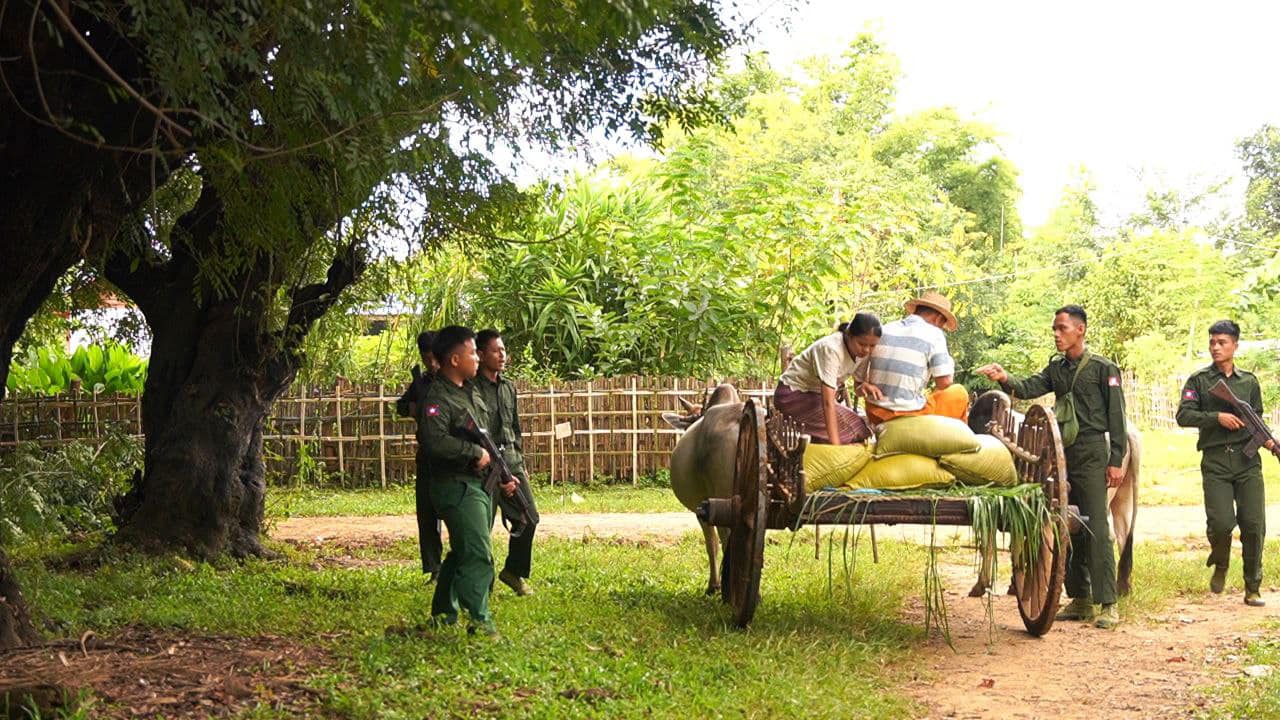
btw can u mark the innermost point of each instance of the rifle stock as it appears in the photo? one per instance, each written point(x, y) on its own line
point(499, 473)
point(1259, 433)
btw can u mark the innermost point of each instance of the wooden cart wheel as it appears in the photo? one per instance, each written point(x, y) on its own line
point(1039, 588)
point(745, 552)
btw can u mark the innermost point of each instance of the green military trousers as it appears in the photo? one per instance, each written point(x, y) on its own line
point(1233, 495)
point(429, 544)
point(1091, 564)
point(466, 575)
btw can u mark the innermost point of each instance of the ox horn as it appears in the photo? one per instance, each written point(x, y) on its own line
point(687, 405)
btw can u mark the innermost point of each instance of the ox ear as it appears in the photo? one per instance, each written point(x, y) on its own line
point(679, 422)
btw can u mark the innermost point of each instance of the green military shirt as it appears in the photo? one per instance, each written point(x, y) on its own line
point(1199, 409)
point(444, 416)
point(1099, 399)
point(504, 419)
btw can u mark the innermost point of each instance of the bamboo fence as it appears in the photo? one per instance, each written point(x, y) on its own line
point(573, 431)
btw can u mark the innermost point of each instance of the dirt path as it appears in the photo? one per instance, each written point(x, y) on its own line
point(1154, 523)
point(1148, 669)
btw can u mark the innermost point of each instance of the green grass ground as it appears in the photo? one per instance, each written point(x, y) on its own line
point(627, 622)
point(561, 498)
point(1251, 697)
point(624, 622)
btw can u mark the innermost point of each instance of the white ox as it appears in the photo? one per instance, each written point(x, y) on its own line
point(703, 461)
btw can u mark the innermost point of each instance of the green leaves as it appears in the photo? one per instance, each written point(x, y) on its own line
point(736, 240)
point(100, 369)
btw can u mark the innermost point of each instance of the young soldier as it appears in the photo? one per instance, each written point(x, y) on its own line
point(1092, 465)
point(499, 394)
point(1233, 490)
point(410, 405)
point(454, 467)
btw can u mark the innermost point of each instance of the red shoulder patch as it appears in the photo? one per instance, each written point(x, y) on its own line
point(1190, 394)
point(433, 410)
point(1113, 381)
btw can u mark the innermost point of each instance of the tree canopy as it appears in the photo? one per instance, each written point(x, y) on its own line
point(813, 204)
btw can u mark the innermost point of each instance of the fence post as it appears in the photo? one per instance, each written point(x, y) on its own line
point(635, 434)
point(551, 439)
point(382, 437)
point(591, 437)
point(97, 426)
point(342, 463)
point(302, 428)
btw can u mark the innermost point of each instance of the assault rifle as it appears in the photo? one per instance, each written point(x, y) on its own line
point(1259, 433)
point(515, 509)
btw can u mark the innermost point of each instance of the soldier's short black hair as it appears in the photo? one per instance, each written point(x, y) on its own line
point(486, 336)
point(1226, 327)
point(1074, 311)
point(426, 339)
point(448, 339)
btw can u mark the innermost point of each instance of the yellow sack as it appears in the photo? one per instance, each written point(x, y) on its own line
point(902, 472)
point(833, 465)
point(929, 435)
point(991, 465)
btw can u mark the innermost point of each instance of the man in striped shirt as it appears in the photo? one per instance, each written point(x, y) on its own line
point(911, 353)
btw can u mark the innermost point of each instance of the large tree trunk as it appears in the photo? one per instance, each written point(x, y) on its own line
point(216, 367)
point(74, 165)
point(202, 413)
point(16, 629)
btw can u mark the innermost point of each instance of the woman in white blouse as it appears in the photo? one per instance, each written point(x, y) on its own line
point(808, 388)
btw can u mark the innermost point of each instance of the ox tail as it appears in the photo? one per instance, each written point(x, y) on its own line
point(1124, 572)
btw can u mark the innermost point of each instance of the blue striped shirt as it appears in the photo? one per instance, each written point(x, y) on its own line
point(911, 352)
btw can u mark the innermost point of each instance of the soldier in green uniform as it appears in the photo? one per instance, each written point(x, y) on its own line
point(453, 468)
point(1093, 462)
point(411, 404)
point(1233, 489)
point(499, 394)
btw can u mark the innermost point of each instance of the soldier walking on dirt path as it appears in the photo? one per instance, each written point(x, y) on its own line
point(1089, 408)
point(1233, 486)
point(499, 394)
point(455, 469)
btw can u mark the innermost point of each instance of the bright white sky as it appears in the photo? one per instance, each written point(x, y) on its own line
point(1120, 87)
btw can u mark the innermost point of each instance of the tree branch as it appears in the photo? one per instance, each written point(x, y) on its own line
point(106, 67)
point(310, 302)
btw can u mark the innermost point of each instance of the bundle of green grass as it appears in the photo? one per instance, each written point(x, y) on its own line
point(912, 453)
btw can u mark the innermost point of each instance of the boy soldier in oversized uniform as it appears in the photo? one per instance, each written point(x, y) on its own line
point(1093, 464)
point(1233, 489)
point(454, 470)
point(499, 394)
point(411, 405)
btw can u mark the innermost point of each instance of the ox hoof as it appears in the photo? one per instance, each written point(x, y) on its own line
point(1012, 590)
point(712, 590)
point(978, 590)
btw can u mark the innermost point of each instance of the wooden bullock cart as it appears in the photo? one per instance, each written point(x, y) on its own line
point(769, 494)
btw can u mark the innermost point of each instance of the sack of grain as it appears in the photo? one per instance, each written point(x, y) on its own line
point(902, 472)
point(929, 435)
point(833, 465)
point(991, 465)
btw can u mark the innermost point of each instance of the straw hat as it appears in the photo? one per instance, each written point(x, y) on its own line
point(937, 302)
